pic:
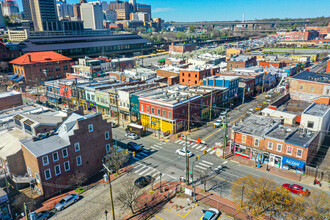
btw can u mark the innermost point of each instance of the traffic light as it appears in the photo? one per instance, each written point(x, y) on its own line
point(133, 153)
point(126, 151)
point(204, 151)
point(197, 157)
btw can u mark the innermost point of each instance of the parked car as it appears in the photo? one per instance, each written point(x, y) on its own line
point(182, 152)
point(296, 189)
point(211, 214)
point(131, 136)
point(143, 181)
point(134, 146)
point(66, 201)
point(43, 215)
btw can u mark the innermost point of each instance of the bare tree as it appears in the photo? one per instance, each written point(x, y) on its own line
point(116, 159)
point(17, 203)
point(128, 196)
point(3, 66)
point(204, 177)
point(317, 206)
point(77, 179)
point(258, 88)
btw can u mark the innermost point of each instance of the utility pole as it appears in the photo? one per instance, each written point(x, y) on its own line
point(189, 115)
point(54, 94)
point(110, 188)
point(243, 96)
point(242, 196)
point(25, 211)
point(37, 89)
point(263, 82)
point(225, 138)
point(117, 105)
point(187, 163)
point(211, 104)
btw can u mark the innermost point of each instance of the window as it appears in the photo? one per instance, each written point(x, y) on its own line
point(141, 108)
point(37, 178)
point(90, 128)
point(78, 159)
point(107, 135)
point(244, 139)
point(169, 114)
point(45, 160)
point(164, 114)
point(29, 171)
point(48, 175)
point(107, 147)
point(289, 150)
point(312, 89)
point(182, 80)
point(55, 156)
point(65, 153)
point(310, 124)
point(57, 170)
point(279, 147)
point(299, 152)
point(66, 165)
point(256, 142)
point(301, 87)
point(158, 111)
point(77, 146)
point(182, 111)
point(270, 145)
point(147, 108)
point(152, 110)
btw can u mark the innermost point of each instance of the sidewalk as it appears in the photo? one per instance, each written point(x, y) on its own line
point(308, 180)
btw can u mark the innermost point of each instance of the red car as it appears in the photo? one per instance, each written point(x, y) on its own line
point(296, 189)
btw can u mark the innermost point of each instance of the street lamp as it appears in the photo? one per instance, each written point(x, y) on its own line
point(160, 181)
point(106, 214)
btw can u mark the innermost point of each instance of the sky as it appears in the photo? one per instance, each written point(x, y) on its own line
point(227, 10)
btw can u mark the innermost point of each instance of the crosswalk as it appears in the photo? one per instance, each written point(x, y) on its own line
point(195, 146)
point(144, 170)
point(157, 146)
point(203, 166)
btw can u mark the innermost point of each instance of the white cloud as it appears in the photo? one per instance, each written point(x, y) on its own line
point(156, 10)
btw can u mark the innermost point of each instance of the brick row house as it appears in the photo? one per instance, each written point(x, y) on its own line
point(76, 147)
point(267, 141)
point(194, 75)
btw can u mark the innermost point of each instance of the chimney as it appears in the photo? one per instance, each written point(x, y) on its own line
point(305, 27)
point(29, 56)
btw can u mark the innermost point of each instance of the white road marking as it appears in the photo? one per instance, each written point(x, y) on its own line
point(212, 152)
point(145, 171)
point(149, 173)
point(203, 148)
point(208, 149)
point(140, 169)
point(155, 174)
point(137, 159)
point(177, 141)
point(203, 168)
point(195, 145)
point(199, 147)
point(204, 161)
point(144, 154)
point(138, 166)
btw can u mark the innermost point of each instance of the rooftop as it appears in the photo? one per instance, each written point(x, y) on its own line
point(256, 125)
point(39, 57)
point(7, 94)
point(281, 132)
point(301, 137)
point(240, 58)
point(312, 76)
point(317, 110)
point(9, 142)
point(221, 77)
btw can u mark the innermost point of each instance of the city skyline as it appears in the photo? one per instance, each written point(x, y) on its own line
point(208, 10)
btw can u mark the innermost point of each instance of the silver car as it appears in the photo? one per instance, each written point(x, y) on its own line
point(66, 201)
point(132, 136)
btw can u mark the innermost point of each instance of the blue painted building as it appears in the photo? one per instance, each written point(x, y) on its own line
point(230, 82)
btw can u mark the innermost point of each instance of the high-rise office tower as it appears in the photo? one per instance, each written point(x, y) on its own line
point(92, 15)
point(2, 20)
point(42, 13)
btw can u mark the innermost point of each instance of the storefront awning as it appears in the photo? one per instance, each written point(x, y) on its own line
point(13, 77)
point(293, 162)
point(19, 79)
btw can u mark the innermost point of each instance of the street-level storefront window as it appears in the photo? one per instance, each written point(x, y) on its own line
point(243, 151)
point(275, 160)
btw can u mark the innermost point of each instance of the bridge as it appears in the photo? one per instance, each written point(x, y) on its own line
point(230, 23)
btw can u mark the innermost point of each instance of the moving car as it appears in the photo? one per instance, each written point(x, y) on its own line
point(143, 181)
point(296, 189)
point(66, 201)
point(211, 214)
point(131, 136)
point(134, 146)
point(182, 152)
point(43, 215)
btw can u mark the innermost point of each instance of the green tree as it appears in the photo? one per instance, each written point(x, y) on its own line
point(192, 29)
point(7, 21)
point(181, 35)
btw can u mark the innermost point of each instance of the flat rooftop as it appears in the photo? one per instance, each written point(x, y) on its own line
point(301, 137)
point(281, 132)
point(256, 125)
point(313, 77)
point(292, 106)
point(317, 110)
point(7, 94)
point(222, 77)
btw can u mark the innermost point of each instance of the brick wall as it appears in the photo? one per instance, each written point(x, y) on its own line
point(16, 163)
point(11, 101)
point(305, 88)
point(165, 73)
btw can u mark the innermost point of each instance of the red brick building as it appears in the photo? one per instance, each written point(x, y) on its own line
point(10, 99)
point(181, 48)
point(321, 30)
point(328, 67)
point(305, 35)
point(41, 66)
point(241, 62)
point(75, 148)
point(276, 65)
point(7, 53)
point(194, 75)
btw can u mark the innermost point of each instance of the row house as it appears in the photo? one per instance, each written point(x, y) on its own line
point(230, 82)
point(75, 148)
point(91, 97)
point(241, 62)
point(53, 91)
point(194, 75)
point(267, 141)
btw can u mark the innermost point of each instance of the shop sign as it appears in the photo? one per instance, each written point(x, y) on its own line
point(242, 147)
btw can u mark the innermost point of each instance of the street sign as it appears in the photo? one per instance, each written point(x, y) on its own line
point(199, 140)
point(190, 172)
